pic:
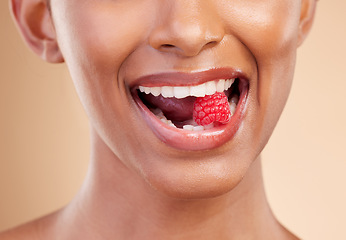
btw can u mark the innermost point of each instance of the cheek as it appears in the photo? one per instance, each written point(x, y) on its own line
point(269, 30)
point(100, 35)
point(96, 37)
point(276, 61)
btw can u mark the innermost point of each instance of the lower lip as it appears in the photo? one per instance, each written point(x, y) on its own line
point(195, 140)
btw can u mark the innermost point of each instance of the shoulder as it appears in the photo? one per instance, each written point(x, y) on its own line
point(29, 231)
point(35, 230)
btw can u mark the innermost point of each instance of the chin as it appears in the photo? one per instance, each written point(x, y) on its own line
point(191, 179)
point(205, 187)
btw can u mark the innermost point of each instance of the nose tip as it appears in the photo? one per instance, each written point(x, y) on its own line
point(187, 31)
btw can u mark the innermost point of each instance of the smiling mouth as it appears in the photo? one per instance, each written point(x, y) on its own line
point(174, 105)
point(166, 102)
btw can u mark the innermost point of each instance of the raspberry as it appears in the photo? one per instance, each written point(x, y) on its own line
point(211, 108)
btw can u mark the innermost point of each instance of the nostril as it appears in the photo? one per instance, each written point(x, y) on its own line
point(167, 46)
point(211, 43)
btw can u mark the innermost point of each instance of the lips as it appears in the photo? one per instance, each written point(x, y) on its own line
point(165, 103)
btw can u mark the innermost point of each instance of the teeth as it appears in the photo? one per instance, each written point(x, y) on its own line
point(198, 128)
point(164, 119)
point(232, 107)
point(181, 92)
point(158, 113)
point(169, 122)
point(147, 90)
point(156, 91)
point(220, 86)
point(234, 99)
point(141, 88)
point(210, 88)
point(167, 92)
point(228, 83)
point(188, 127)
point(200, 90)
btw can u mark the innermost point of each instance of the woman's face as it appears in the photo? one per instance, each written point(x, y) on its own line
point(115, 47)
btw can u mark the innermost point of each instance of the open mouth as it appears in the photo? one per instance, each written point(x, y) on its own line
point(169, 105)
point(174, 105)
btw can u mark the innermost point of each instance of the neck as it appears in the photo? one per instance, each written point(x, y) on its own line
point(115, 202)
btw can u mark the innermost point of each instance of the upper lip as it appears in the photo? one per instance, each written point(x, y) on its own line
point(187, 78)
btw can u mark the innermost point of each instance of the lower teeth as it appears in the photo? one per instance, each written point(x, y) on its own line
point(190, 124)
point(233, 104)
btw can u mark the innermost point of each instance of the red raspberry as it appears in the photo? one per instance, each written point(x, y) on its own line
point(211, 108)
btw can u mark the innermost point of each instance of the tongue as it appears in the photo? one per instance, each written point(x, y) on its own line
point(173, 108)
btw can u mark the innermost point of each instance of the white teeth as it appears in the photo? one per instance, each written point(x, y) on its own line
point(188, 127)
point(200, 90)
point(147, 90)
point(193, 128)
point(163, 119)
point(228, 83)
point(210, 88)
point(220, 86)
point(198, 128)
point(169, 122)
point(156, 91)
point(181, 92)
point(232, 107)
point(167, 91)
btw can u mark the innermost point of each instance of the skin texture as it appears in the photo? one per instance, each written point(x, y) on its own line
point(139, 187)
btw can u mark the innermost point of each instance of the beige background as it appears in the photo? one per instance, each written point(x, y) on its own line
point(44, 142)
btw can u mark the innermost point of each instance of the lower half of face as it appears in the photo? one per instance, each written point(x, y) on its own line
point(186, 93)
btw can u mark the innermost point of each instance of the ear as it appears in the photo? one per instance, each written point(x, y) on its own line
point(33, 18)
point(307, 14)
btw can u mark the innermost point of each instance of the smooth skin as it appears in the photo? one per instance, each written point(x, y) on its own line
point(138, 187)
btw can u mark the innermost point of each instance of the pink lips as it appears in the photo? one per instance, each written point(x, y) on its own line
point(189, 140)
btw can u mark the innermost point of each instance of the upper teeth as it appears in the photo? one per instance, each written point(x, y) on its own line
point(208, 88)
